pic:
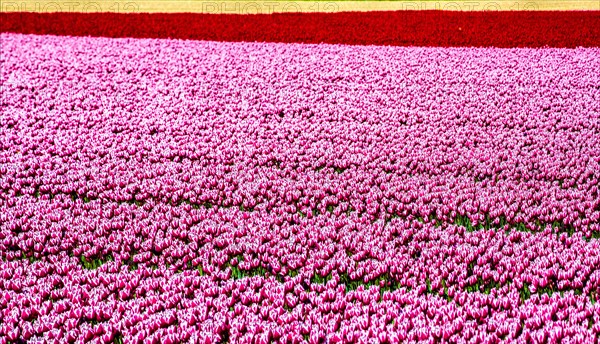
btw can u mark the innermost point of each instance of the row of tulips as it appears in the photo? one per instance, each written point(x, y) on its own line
point(172, 191)
point(468, 28)
point(234, 244)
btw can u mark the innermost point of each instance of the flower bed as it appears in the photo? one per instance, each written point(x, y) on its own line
point(205, 191)
point(397, 28)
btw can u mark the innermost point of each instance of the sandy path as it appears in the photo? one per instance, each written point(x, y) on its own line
point(268, 6)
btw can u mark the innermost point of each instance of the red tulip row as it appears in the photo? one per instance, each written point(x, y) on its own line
point(397, 28)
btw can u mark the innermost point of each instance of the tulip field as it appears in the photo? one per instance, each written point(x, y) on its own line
point(162, 190)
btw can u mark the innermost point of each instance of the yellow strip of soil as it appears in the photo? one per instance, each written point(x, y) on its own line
point(251, 7)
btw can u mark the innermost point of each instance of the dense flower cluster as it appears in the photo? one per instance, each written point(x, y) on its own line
point(505, 29)
point(168, 191)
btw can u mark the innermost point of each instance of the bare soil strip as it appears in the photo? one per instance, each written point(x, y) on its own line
point(269, 6)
